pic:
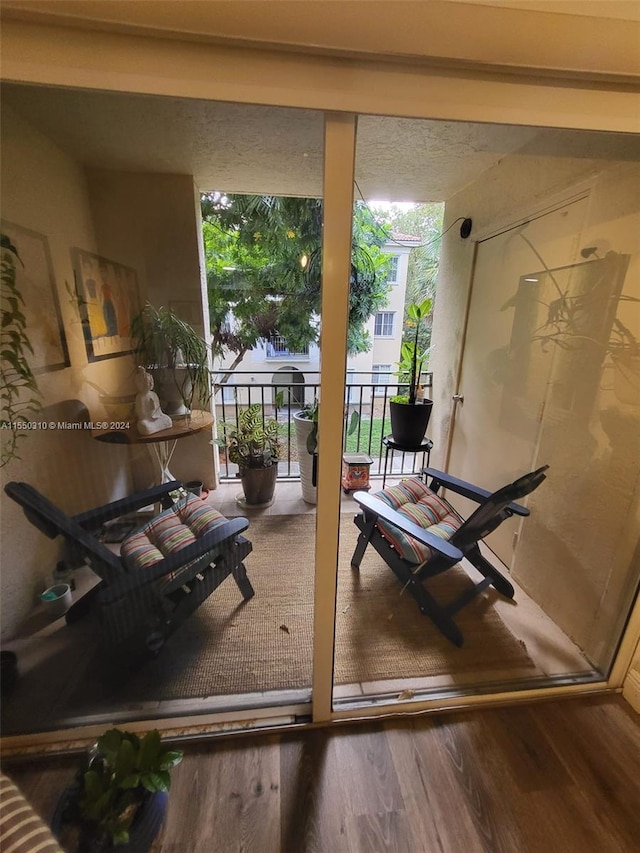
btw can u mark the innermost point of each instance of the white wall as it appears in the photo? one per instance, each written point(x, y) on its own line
point(575, 555)
point(45, 191)
point(151, 222)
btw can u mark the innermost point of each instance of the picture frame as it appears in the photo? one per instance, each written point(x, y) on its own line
point(36, 282)
point(108, 299)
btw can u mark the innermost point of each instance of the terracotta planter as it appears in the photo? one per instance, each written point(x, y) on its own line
point(409, 422)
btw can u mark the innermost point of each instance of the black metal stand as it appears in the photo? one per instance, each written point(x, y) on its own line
point(391, 445)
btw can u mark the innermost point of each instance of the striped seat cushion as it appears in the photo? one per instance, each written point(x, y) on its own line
point(175, 528)
point(21, 829)
point(412, 499)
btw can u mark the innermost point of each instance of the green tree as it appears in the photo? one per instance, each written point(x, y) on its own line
point(425, 222)
point(263, 262)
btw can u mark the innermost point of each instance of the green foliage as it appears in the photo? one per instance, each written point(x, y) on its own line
point(310, 412)
point(121, 767)
point(254, 442)
point(263, 260)
point(411, 356)
point(19, 390)
point(162, 339)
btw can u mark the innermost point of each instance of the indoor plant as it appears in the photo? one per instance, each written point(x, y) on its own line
point(253, 444)
point(119, 796)
point(410, 413)
point(20, 394)
point(176, 355)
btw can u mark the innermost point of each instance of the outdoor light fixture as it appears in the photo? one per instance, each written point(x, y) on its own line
point(304, 260)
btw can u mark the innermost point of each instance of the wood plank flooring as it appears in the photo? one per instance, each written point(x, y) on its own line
point(556, 777)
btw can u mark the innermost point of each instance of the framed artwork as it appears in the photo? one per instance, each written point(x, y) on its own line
point(37, 284)
point(108, 299)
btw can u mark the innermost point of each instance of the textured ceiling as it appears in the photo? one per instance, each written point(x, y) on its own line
point(271, 150)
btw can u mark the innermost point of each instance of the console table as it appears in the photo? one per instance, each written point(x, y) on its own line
point(161, 444)
point(391, 446)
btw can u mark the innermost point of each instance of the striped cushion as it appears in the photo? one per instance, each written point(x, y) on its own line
point(173, 529)
point(21, 829)
point(412, 499)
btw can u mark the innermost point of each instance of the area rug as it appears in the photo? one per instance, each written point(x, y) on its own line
point(229, 646)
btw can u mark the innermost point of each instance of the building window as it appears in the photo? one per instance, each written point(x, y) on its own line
point(392, 277)
point(380, 375)
point(384, 324)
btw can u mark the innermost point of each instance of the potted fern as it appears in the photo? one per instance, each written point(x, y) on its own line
point(169, 348)
point(253, 444)
point(410, 413)
point(119, 797)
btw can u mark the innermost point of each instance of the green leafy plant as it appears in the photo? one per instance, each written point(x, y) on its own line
point(162, 339)
point(19, 394)
point(411, 358)
point(309, 412)
point(252, 442)
point(121, 767)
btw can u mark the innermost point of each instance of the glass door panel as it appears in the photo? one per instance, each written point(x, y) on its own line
point(541, 223)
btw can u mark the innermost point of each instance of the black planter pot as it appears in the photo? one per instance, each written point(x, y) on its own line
point(259, 484)
point(142, 832)
point(409, 422)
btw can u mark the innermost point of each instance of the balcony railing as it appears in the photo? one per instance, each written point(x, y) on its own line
point(277, 348)
point(369, 399)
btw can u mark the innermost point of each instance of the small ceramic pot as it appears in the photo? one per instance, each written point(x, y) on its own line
point(195, 487)
point(56, 599)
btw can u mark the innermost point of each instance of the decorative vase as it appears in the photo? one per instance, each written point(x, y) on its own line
point(259, 485)
point(144, 828)
point(409, 422)
point(305, 459)
point(173, 386)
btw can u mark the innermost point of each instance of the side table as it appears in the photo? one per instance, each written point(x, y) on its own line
point(391, 446)
point(161, 444)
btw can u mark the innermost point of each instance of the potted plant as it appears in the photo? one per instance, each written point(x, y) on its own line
point(20, 394)
point(306, 424)
point(253, 444)
point(119, 797)
point(410, 413)
point(169, 348)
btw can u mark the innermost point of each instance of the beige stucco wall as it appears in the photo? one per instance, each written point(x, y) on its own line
point(575, 554)
point(150, 222)
point(45, 191)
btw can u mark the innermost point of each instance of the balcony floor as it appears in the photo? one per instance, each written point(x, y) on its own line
point(44, 689)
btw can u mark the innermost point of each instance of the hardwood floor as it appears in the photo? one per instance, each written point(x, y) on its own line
point(557, 777)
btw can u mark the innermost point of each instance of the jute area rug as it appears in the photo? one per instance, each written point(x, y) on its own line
point(228, 646)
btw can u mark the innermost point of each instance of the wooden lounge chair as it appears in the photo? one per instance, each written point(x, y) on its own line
point(419, 534)
point(165, 570)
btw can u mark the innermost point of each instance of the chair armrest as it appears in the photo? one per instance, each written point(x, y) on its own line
point(206, 544)
point(380, 509)
point(467, 490)
point(95, 517)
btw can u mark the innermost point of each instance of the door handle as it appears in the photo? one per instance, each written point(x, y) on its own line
point(458, 398)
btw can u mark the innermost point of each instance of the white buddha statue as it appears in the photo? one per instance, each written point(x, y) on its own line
point(150, 416)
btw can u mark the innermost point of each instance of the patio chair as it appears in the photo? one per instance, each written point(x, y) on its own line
point(165, 570)
point(419, 535)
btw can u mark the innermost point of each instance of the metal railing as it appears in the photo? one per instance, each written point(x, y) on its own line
point(276, 347)
point(282, 400)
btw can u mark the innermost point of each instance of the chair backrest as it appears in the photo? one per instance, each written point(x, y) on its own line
point(495, 509)
point(54, 522)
